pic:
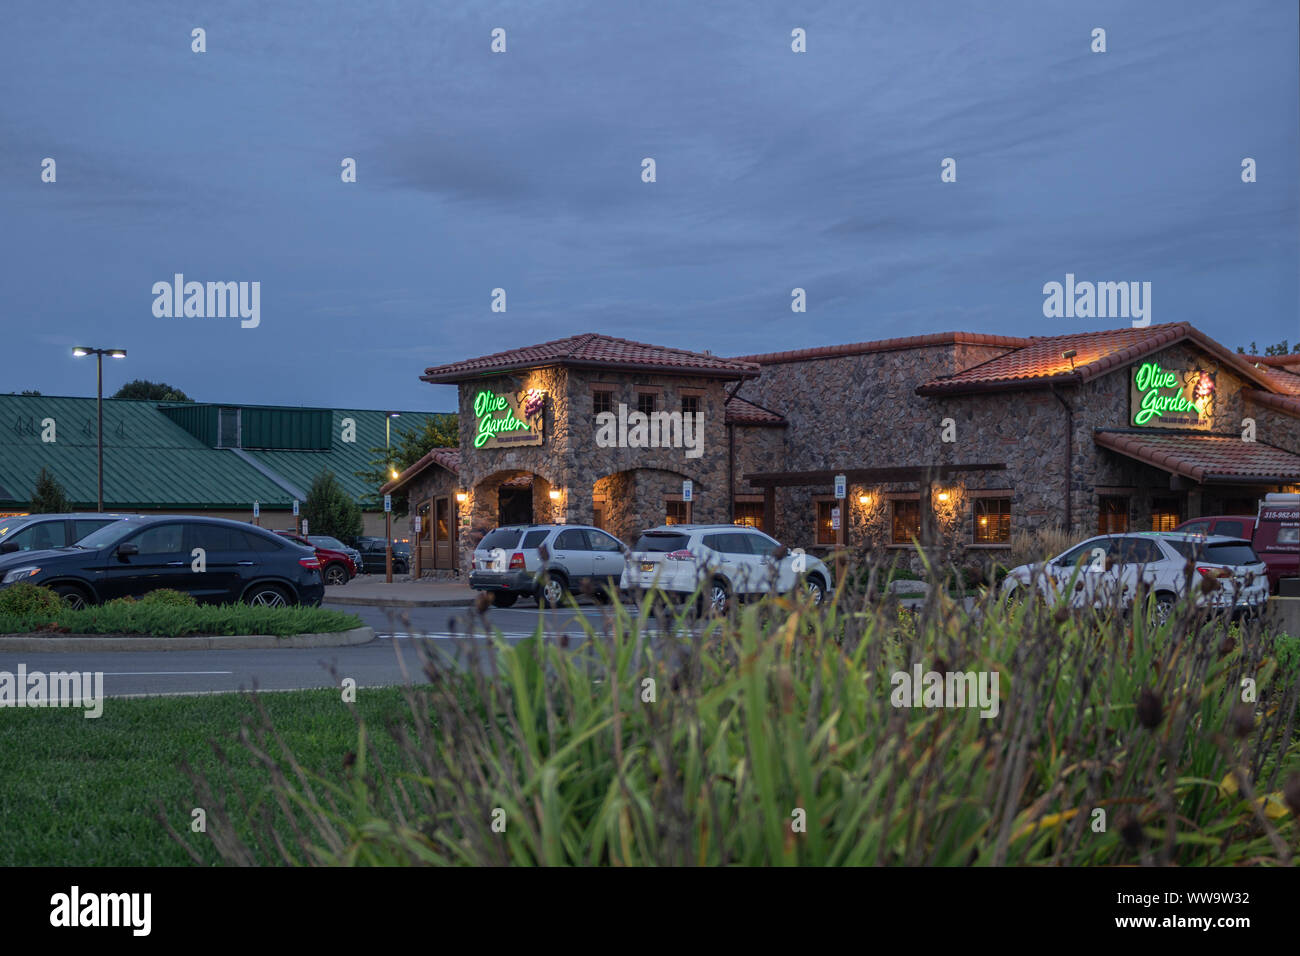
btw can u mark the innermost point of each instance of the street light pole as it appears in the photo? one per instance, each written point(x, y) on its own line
point(99, 354)
point(388, 515)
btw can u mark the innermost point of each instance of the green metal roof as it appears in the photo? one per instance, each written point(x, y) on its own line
point(150, 461)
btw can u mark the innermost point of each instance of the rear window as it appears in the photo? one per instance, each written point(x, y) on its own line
point(662, 543)
point(1234, 554)
point(500, 538)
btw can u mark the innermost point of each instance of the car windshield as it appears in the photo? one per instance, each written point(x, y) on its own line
point(13, 526)
point(660, 541)
point(108, 535)
point(325, 541)
point(500, 538)
point(1232, 553)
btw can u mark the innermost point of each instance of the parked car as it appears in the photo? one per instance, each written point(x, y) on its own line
point(508, 562)
point(732, 561)
point(42, 532)
point(138, 553)
point(336, 567)
point(1105, 571)
point(334, 544)
point(374, 560)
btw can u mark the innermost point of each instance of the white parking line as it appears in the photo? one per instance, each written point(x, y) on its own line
point(165, 673)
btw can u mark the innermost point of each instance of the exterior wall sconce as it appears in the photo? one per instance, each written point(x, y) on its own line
point(943, 496)
point(460, 497)
point(555, 494)
point(864, 499)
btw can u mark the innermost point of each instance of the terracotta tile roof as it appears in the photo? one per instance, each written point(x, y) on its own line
point(742, 412)
point(1275, 360)
point(591, 350)
point(886, 345)
point(1224, 458)
point(1290, 404)
point(448, 458)
point(1288, 383)
point(1039, 362)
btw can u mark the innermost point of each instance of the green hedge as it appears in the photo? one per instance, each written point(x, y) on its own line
point(26, 608)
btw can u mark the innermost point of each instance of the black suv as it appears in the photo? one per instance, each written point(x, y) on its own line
point(373, 556)
point(215, 560)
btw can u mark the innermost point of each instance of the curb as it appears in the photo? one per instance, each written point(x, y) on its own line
point(398, 602)
point(227, 642)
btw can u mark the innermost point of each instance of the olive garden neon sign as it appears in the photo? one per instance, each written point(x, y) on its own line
point(1165, 399)
point(508, 420)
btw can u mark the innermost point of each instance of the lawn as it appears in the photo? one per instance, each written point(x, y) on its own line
point(81, 792)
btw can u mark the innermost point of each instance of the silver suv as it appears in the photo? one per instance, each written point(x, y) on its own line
point(509, 562)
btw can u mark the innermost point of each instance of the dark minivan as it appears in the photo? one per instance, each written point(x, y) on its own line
point(215, 560)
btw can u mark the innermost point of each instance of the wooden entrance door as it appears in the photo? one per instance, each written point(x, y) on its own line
point(443, 533)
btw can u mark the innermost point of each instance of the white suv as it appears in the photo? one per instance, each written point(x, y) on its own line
point(1105, 570)
point(728, 559)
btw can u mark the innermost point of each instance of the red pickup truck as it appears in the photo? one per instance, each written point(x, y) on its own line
point(1274, 532)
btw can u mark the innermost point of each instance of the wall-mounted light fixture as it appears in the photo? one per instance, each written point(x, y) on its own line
point(864, 499)
point(460, 497)
point(555, 494)
point(943, 496)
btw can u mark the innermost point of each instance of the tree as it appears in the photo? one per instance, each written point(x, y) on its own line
point(409, 445)
point(330, 510)
point(151, 392)
point(1279, 349)
point(49, 498)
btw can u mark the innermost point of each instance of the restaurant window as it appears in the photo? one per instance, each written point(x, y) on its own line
point(1165, 514)
point(602, 401)
point(690, 404)
point(645, 402)
point(992, 520)
point(825, 524)
point(750, 514)
point(676, 512)
point(598, 514)
point(1112, 515)
point(907, 521)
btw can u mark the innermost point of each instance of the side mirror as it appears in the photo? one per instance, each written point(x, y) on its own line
point(126, 550)
point(9, 547)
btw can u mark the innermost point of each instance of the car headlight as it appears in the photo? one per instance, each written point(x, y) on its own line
point(17, 574)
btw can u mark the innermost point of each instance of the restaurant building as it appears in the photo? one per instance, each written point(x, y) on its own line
point(956, 440)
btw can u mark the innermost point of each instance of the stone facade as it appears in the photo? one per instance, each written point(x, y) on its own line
point(854, 408)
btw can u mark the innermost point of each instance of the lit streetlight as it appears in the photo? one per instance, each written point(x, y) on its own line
point(388, 515)
point(80, 352)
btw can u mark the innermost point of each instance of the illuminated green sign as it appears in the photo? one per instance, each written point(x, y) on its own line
point(508, 420)
point(1167, 399)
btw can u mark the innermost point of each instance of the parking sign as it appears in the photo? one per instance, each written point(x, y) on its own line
point(304, 526)
point(295, 507)
point(840, 486)
point(688, 489)
point(835, 517)
point(417, 524)
point(257, 509)
point(388, 503)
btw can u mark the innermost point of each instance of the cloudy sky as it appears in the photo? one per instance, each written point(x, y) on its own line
point(522, 171)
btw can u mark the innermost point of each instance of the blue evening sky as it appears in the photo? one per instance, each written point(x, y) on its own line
point(522, 170)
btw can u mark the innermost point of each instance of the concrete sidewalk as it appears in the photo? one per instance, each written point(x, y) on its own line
point(372, 591)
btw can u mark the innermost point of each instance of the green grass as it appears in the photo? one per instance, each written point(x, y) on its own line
point(177, 621)
point(81, 792)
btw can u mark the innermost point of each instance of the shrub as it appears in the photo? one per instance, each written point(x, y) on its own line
point(166, 597)
point(1040, 544)
point(29, 600)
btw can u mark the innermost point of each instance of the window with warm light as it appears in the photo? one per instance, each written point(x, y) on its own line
point(1112, 514)
point(1165, 514)
point(825, 522)
point(675, 512)
point(750, 514)
point(992, 520)
point(907, 522)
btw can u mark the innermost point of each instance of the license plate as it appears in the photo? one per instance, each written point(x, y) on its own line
point(647, 565)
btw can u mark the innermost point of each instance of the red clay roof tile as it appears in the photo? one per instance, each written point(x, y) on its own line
point(1204, 457)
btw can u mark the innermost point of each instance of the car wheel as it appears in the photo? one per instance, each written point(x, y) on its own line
point(336, 574)
point(552, 591)
point(504, 598)
point(266, 595)
point(1163, 609)
point(816, 590)
point(718, 597)
point(74, 599)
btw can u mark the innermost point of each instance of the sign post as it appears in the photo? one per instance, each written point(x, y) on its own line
point(388, 539)
point(838, 523)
